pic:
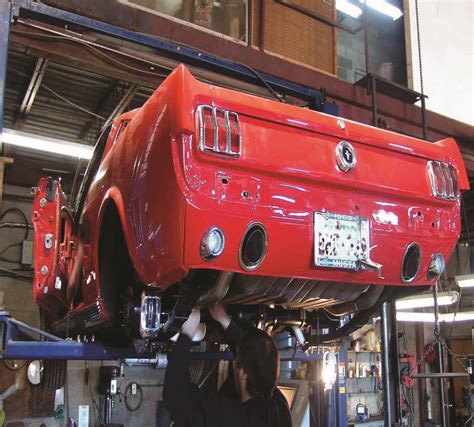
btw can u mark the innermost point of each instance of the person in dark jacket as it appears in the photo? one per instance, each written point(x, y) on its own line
point(257, 403)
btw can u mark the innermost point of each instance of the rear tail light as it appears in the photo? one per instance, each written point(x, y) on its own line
point(444, 180)
point(219, 131)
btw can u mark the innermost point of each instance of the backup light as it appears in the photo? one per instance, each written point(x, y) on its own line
point(48, 145)
point(444, 298)
point(437, 266)
point(348, 8)
point(384, 7)
point(212, 243)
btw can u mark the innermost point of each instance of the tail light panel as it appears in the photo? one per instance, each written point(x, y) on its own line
point(219, 131)
point(444, 180)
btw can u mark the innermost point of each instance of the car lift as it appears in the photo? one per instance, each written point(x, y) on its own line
point(19, 341)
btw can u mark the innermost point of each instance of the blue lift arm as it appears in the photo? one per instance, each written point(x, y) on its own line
point(316, 99)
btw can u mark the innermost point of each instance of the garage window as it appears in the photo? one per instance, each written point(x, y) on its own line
point(225, 17)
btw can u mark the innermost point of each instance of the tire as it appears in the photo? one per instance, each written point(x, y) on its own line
point(119, 286)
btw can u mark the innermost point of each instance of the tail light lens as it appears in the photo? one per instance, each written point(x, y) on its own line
point(219, 131)
point(444, 180)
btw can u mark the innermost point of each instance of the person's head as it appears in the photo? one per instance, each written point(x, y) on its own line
point(257, 364)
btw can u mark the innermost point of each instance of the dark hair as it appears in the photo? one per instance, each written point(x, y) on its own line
point(257, 355)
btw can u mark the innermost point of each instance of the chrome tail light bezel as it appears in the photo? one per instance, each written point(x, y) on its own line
point(229, 117)
point(448, 178)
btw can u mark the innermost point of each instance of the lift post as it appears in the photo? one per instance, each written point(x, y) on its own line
point(389, 342)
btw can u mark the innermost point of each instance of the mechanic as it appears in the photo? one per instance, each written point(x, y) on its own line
point(257, 403)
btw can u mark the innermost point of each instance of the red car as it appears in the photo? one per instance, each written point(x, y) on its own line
point(205, 194)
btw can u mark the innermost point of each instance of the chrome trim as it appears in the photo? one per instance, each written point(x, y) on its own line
point(265, 247)
point(204, 250)
point(433, 180)
point(229, 139)
point(432, 273)
point(454, 176)
point(342, 162)
point(227, 118)
point(150, 315)
point(446, 175)
point(450, 193)
point(403, 259)
point(216, 130)
point(80, 321)
point(443, 193)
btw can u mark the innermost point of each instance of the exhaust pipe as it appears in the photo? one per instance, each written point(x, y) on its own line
point(217, 292)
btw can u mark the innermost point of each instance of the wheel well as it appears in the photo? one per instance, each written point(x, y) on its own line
point(116, 272)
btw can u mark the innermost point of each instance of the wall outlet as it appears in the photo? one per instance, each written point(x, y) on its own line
point(27, 252)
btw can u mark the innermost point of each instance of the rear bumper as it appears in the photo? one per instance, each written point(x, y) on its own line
point(291, 240)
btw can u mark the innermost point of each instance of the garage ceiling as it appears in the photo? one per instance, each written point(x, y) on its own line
point(59, 101)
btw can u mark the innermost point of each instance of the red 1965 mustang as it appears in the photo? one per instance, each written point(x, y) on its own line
point(205, 194)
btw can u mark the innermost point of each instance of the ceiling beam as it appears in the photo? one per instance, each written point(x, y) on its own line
point(121, 105)
point(101, 107)
point(3, 161)
point(31, 92)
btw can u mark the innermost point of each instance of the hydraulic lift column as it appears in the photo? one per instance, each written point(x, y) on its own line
point(389, 363)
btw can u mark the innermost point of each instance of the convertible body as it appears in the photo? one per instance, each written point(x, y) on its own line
point(300, 209)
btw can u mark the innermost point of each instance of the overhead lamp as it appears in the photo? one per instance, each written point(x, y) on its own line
point(465, 281)
point(421, 301)
point(384, 7)
point(462, 316)
point(48, 145)
point(348, 8)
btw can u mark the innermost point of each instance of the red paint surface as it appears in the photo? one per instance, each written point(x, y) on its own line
point(168, 192)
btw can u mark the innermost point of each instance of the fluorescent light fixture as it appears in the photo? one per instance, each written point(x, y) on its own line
point(421, 301)
point(462, 316)
point(348, 8)
point(384, 7)
point(465, 281)
point(49, 145)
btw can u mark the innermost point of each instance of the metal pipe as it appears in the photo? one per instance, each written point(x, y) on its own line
point(217, 292)
point(72, 195)
point(5, 19)
point(364, 301)
point(443, 375)
point(388, 402)
point(19, 384)
point(373, 90)
point(366, 39)
point(420, 349)
point(423, 117)
point(439, 348)
point(15, 225)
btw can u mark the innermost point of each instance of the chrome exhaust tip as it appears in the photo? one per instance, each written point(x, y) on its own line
point(253, 246)
point(411, 262)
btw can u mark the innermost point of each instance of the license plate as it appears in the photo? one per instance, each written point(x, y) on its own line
point(340, 241)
